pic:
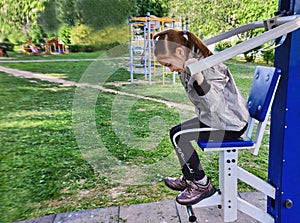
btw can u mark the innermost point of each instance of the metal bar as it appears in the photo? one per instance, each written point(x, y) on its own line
point(233, 32)
point(254, 211)
point(250, 26)
point(191, 214)
point(256, 182)
point(244, 46)
point(131, 54)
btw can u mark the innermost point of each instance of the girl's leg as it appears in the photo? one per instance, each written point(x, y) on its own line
point(200, 187)
point(187, 155)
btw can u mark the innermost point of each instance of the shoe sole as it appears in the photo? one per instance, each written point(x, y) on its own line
point(212, 192)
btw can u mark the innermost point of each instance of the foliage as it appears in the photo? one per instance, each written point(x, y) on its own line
point(69, 12)
point(64, 34)
point(48, 19)
point(209, 18)
point(19, 15)
point(268, 56)
point(85, 39)
point(158, 8)
point(223, 45)
point(37, 34)
point(81, 35)
point(102, 13)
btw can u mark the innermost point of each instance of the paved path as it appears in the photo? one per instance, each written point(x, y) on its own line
point(27, 74)
point(157, 212)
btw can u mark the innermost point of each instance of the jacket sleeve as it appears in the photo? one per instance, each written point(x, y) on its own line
point(210, 92)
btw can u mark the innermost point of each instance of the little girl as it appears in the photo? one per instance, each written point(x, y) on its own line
point(218, 105)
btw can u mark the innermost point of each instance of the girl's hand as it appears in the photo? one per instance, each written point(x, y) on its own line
point(198, 76)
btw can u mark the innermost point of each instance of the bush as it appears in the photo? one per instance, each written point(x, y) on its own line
point(268, 55)
point(64, 34)
point(85, 39)
point(223, 45)
point(9, 46)
point(75, 48)
point(81, 35)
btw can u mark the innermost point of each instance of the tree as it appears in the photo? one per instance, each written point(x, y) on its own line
point(102, 13)
point(69, 12)
point(48, 18)
point(19, 15)
point(211, 17)
point(155, 7)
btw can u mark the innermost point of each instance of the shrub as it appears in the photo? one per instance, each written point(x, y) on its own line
point(268, 55)
point(85, 39)
point(64, 34)
point(223, 45)
point(81, 35)
point(74, 48)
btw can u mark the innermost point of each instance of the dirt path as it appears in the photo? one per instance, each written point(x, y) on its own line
point(43, 77)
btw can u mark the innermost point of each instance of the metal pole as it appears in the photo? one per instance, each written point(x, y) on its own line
point(149, 46)
point(284, 154)
point(186, 23)
point(130, 48)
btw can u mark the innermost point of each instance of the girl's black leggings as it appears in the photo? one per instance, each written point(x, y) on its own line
point(182, 135)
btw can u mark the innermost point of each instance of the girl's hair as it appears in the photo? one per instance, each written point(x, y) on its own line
point(168, 40)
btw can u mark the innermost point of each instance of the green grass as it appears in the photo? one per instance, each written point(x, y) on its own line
point(80, 55)
point(46, 167)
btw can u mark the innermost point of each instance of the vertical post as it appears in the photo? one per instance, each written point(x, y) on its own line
point(228, 183)
point(186, 23)
point(284, 154)
point(173, 22)
point(149, 46)
point(145, 50)
point(131, 49)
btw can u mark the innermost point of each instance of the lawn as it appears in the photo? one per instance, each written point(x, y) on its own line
point(65, 149)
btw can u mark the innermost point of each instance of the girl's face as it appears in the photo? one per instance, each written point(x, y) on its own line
point(175, 62)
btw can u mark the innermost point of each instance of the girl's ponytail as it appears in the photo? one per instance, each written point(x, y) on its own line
point(198, 44)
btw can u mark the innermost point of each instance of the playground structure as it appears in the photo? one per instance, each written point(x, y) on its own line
point(54, 46)
point(281, 189)
point(142, 60)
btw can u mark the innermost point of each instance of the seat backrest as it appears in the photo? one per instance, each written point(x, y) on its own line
point(263, 87)
point(262, 93)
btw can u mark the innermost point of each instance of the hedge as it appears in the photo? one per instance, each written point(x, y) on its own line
point(74, 48)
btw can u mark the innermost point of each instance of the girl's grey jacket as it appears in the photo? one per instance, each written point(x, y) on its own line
point(218, 102)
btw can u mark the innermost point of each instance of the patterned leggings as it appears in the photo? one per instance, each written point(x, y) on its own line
point(187, 155)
